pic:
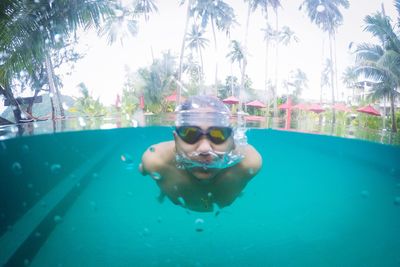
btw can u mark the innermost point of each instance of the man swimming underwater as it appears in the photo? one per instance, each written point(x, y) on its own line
point(208, 163)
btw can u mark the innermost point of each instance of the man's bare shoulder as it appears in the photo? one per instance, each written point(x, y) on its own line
point(157, 156)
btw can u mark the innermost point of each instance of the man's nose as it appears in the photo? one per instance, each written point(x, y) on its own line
point(204, 145)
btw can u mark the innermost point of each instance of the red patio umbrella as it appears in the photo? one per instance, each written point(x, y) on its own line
point(231, 100)
point(173, 98)
point(341, 107)
point(300, 106)
point(288, 106)
point(256, 104)
point(316, 108)
point(369, 110)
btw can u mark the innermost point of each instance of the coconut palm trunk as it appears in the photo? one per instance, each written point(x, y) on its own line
point(52, 85)
point(332, 78)
point(392, 111)
point(183, 50)
point(216, 53)
point(276, 64)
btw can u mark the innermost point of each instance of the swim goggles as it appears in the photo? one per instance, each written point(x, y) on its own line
point(192, 134)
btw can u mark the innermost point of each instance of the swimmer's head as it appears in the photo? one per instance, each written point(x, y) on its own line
point(203, 109)
point(204, 137)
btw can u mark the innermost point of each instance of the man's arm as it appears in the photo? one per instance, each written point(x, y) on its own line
point(251, 163)
point(154, 159)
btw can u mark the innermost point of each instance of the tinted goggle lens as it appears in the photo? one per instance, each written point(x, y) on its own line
point(192, 134)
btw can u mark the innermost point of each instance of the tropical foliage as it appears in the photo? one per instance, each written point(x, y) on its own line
point(381, 62)
point(327, 16)
point(37, 37)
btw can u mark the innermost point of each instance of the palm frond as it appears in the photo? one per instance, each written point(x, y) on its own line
point(366, 51)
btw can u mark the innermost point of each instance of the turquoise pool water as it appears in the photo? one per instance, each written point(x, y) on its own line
point(68, 199)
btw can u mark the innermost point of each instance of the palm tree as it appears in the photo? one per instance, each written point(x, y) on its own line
point(188, 16)
point(220, 14)
point(349, 78)
point(327, 16)
point(298, 80)
point(158, 79)
point(269, 34)
point(381, 62)
point(286, 36)
point(326, 77)
point(198, 42)
point(30, 30)
point(145, 7)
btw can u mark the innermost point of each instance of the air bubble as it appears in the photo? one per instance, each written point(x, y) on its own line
point(30, 186)
point(127, 159)
point(25, 149)
point(47, 41)
point(181, 201)
point(51, 95)
point(26, 262)
point(55, 169)
point(16, 168)
point(364, 194)
point(38, 234)
point(3, 148)
point(37, 1)
point(251, 171)
point(146, 231)
point(397, 201)
point(209, 194)
point(199, 225)
point(57, 219)
point(156, 176)
point(93, 205)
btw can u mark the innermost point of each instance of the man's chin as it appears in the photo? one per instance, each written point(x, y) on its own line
point(204, 174)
